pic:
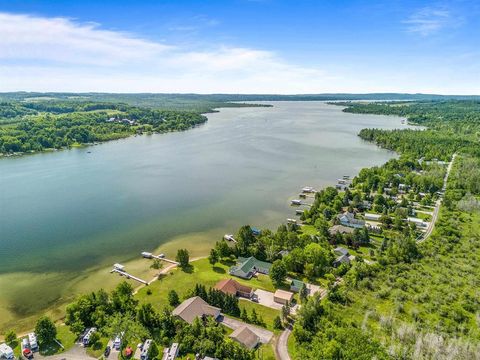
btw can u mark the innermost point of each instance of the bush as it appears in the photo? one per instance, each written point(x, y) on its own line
point(11, 338)
point(173, 298)
point(277, 323)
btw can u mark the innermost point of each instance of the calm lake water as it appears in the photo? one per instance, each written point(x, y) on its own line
point(67, 211)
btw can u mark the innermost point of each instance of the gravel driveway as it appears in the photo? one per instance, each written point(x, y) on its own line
point(265, 298)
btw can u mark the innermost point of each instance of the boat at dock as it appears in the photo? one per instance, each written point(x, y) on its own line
point(292, 221)
point(308, 189)
point(147, 255)
point(296, 202)
point(229, 237)
point(299, 211)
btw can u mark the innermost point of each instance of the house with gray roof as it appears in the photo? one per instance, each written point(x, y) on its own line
point(195, 307)
point(343, 257)
point(348, 219)
point(248, 267)
point(246, 337)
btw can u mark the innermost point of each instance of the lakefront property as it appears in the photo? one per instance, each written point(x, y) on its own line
point(229, 180)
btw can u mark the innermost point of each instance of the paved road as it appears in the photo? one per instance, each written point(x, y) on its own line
point(281, 348)
point(264, 335)
point(75, 353)
point(436, 210)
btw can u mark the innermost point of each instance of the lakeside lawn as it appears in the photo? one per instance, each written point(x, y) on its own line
point(96, 350)
point(267, 314)
point(201, 272)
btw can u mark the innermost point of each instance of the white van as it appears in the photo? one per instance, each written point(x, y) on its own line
point(145, 348)
point(6, 352)
point(32, 339)
point(86, 337)
point(117, 342)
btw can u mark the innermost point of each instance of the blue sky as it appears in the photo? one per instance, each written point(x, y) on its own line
point(240, 46)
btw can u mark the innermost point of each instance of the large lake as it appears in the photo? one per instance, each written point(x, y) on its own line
point(65, 212)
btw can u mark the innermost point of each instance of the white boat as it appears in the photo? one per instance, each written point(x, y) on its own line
point(292, 221)
point(147, 255)
point(229, 237)
point(296, 202)
point(119, 267)
point(299, 211)
point(308, 189)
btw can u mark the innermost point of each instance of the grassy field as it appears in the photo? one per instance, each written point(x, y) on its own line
point(266, 313)
point(309, 230)
point(202, 272)
point(97, 349)
point(265, 352)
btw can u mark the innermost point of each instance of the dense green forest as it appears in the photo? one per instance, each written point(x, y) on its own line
point(455, 125)
point(205, 103)
point(36, 126)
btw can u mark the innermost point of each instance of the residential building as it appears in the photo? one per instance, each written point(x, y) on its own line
point(283, 297)
point(342, 229)
point(343, 257)
point(245, 336)
point(372, 217)
point(195, 307)
point(248, 267)
point(348, 219)
point(233, 287)
point(296, 285)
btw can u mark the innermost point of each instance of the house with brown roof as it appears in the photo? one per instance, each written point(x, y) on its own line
point(342, 229)
point(246, 337)
point(233, 287)
point(195, 307)
point(283, 297)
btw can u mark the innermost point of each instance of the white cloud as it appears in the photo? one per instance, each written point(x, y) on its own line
point(430, 20)
point(59, 54)
point(61, 40)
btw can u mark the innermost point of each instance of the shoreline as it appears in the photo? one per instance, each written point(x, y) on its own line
point(100, 275)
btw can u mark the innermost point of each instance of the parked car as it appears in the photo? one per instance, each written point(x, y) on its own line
point(27, 353)
point(107, 351)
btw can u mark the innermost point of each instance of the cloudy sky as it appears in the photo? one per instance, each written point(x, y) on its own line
point(240, 46)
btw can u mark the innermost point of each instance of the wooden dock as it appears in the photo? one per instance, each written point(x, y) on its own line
point(128, 276)
point(148, 255)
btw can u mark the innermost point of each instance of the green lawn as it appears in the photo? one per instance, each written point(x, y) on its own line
point(202, 272)
point(309, 230)
point(292, 350)
point(424, 217)
point(65, 337)
point(267, 314)
point(265, 352)
point(98, 349)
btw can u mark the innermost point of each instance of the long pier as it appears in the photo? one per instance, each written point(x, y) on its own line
point(127, 275)
point(148, 255)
